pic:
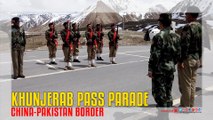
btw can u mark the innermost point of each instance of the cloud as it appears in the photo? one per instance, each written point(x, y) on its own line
point(70, 5)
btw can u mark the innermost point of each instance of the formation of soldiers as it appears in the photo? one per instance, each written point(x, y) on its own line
point(70, 36)
point(167, 50)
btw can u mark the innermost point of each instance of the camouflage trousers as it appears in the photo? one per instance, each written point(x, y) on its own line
point(100, 48)
point(75, 49)
point(52, 51)
point(112, 51)
point(17, 60)
point(162, 88)
point(91, 52)
point(67, 54)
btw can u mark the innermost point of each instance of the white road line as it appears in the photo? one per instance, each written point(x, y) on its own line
point(135, 55)
point(42, 62)
point(59, 58)
point(209, 89)
point(80, 69)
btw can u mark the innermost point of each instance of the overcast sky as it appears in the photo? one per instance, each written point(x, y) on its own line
point(8, 7)
point(68, 5)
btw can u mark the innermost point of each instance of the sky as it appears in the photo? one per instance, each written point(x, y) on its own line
point(66, 6)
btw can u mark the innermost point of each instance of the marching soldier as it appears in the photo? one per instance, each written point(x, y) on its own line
point(100, 35)
point(67, 38)
point(91, 45)
point(18, 42)
point(51, 36)
point(76, 37)
point(191, 53)
point(113, 43)
point(164, 55)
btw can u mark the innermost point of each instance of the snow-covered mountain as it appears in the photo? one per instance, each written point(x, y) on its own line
point(98, 12)
point(109, 11)
point(154, 12)
point(102, 11)
point(37, 20)
point(206, 7)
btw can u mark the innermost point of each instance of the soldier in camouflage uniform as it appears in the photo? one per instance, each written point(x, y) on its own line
point(113, 43)
point(76, 37)
point(191, 52)
point(91, 45)
point(164, 54)
point(67, 38)
point(100, 35)
point(51, 36)
point(18, 42)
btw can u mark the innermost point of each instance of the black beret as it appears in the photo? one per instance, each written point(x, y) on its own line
point(165, 17)
point(51, 23)
point(113, 24)
point(65, 23)
point(73, 24)
point(15, 19)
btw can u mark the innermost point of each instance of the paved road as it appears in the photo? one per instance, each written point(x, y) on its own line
point(128, 75)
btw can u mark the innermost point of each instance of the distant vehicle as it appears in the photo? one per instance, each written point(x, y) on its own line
point(151, 31)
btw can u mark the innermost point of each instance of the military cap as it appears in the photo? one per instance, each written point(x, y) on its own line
point(65, 23)
point(73, 24)
point(15, 19)
point(98, 25)
point(165, 19)
point(51, 23)
point(193, 10)
point(88, 25)
point(113, 24)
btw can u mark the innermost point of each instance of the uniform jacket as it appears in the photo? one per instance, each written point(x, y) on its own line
point(18, 37)
point(165, 52)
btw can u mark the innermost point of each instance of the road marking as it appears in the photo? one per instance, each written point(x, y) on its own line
point(59, 58)
point(46, 64)
point(209, 89)
point(135, 55)
point(80, 69)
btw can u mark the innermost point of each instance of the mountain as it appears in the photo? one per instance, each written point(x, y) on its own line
point(98, 13)
point(205, 6)
point(154, 12)
point(36, 21)
point(127, 8)
point(102, 11)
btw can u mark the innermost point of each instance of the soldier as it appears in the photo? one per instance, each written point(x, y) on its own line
point(164, 54)
point(113, 43)
point(191, 52)
point(51, 36)
point(18, 42)
point(100, 35)
point(67, 38)
point(76, 37)
point(91, 45)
